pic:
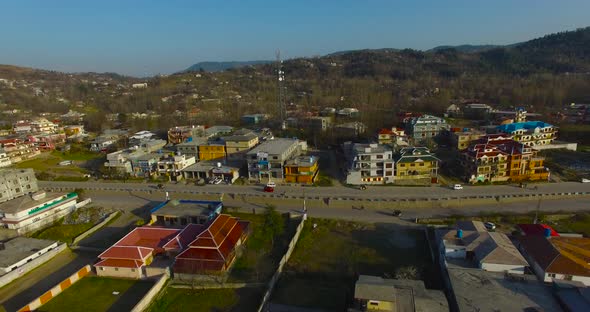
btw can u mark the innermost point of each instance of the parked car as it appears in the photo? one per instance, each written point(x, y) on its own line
point(397, 213)
point(269, 189)
point(490, 226)
point(457, 187)
point(362, 187)
point(271, 184)
point(585, 180)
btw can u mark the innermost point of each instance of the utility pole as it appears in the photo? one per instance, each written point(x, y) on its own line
point(281, 107)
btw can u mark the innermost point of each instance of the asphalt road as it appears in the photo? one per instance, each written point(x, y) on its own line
point(372, 192)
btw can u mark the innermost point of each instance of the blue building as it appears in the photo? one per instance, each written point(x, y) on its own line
point(253, 119)
point(530, 133)
point(179, 213)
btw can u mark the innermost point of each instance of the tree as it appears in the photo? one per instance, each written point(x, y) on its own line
point(407, 273)
point(273, 222)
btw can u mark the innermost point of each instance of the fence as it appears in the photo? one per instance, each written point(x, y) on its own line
point(95, 228)
point(56, 290)
point(153, 292)
point(12, 275)
point(275, 277)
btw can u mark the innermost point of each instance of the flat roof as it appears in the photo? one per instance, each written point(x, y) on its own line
point(479, 290)
point(27, 202)
point(19, 248)
point(274, 147)
point(185, 208)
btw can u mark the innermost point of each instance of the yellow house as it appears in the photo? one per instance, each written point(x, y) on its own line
point(211, 151)
point(303, 169)
point(416, 163)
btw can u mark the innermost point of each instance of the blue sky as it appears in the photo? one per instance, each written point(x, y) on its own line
point(149, 37)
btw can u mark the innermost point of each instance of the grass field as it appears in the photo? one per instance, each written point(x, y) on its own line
point(260, 258)
point(95, 294)
point(63, 232)
point(323, 268)
point(49, 163)
point(174, 299)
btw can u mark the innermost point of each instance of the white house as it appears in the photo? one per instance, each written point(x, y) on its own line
point(558, 258)
point(139, 85)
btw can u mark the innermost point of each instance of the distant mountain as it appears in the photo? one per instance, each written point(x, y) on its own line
point(466, 48)
point(221, 66)
point(382, 50)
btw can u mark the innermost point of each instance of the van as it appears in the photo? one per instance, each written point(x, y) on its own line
point(457, 187)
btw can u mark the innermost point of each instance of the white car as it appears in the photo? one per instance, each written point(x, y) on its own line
point(457, 187)
point(271, 184)
point(490, 225)
point(585, 180)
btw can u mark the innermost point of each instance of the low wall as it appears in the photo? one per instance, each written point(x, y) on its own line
point(56, 290)
point(95, 228)
point(275, 277)
point(151, 294)
point(12, 275)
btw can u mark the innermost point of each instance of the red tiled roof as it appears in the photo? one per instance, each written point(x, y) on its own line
point(185, 237)
point(385, 131)
point(563, 259)
point(119, 263)
point(151, 237)
point(126, 252)
point(536, 229)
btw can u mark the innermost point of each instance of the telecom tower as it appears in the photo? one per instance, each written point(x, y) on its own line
point(281, 107)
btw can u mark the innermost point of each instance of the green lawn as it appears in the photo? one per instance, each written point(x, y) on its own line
point(63, 232)
point(322, 270)
point(49, 163)
point(260, 257)
point(175, 299)
point(95, 294)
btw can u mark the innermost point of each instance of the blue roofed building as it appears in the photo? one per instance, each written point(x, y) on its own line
point(530, 133)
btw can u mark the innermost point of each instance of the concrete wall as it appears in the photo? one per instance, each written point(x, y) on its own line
point(494, 267)
point(282, 263)
point(95, 228)
point(134, 273)
point(11, 276)
point(147, 299)
point(53, 292)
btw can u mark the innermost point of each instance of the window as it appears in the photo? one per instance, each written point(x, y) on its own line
point(116, 269)
point(568, 277)
point(132, 270)
point(389, 173)
point(421, 164)
point(101, 268)
point(380, 156)
point(412, 165)
point(551, 275)
point(390, 165)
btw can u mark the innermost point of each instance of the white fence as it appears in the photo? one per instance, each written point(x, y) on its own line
point(153, 292)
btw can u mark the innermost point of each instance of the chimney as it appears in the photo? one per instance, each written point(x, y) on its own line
point(459, 233)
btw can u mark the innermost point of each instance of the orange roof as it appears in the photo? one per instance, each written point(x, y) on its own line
point(119, 263)
point(185, 237)
point(150, 237)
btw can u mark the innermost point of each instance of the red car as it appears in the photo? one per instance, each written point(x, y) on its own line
point(269, 189)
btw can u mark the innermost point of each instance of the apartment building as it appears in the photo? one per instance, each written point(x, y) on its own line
point(530, 133)
point(426, 126)
point(4, 159)
point(392, 136)
point(496, 158)
point(369, 163)
point(267, 160)
point(317, 123)
point(211, 151)
point(17, 182)
point(121, 160)
point(145, 165)
point(416, 165)
point(461, 138)
point(177, 135)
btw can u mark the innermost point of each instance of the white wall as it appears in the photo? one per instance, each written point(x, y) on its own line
point(455, 253)
point(495, 267)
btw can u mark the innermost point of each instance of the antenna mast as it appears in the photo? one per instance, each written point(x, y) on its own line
point(281, 108)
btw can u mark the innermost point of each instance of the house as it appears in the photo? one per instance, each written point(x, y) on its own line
point(239, 143)
point(172, 166)
point(350, 129)
point(373, 293)
point(453, 111)
point(121, 161)
point(4, 159)
point(21, 250)
point(74, 131)
point(316, 123)
point(18, 150)
point(142, 135)
point(253, 119)
point(190, 148)
point(42, 125)
point(142, 85)
point(267, 160)
point(425, 127)
point(557, 257)
point(394, 136)
point(490, 251)
point(144, 165)
point(530, 133)
point(477, 111)
point(212, 151)
point(21, 127)
point(302, 169)
point(217, 131)
point(102, 143)
point(179, 213)
point(129, 257)
point(177, 135)
point(16, 183)
point(213, 251)
point(461, 138)
point(28, 213)
point(348, 112)
point(210, 170)
point(369, 163)
point(416, 164)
